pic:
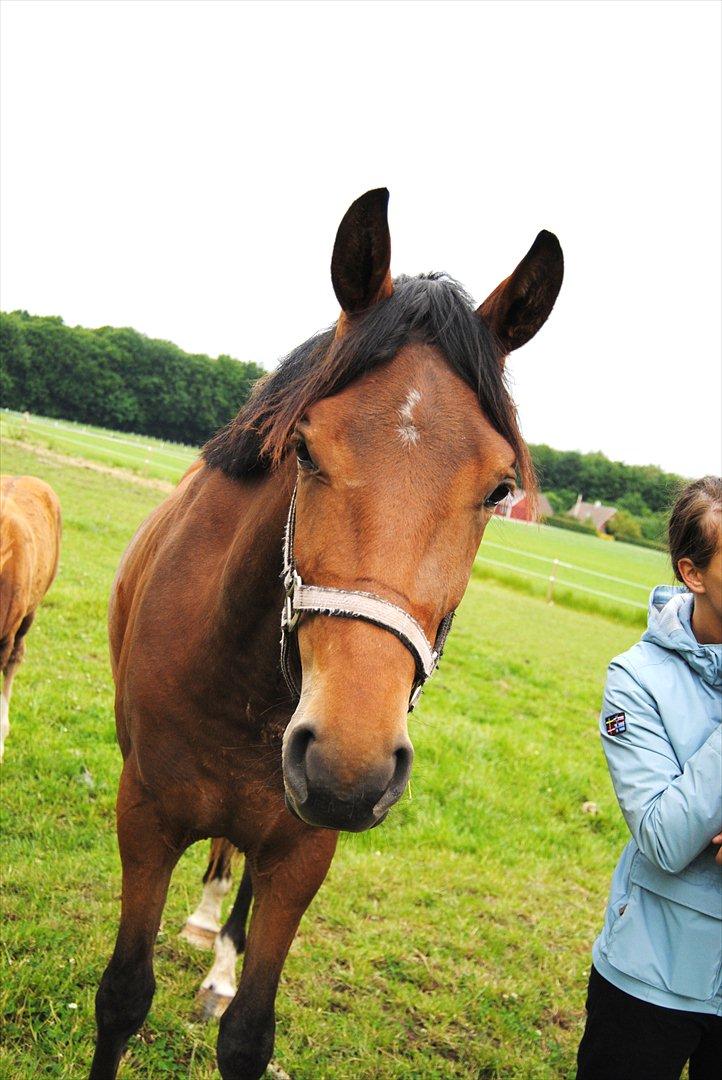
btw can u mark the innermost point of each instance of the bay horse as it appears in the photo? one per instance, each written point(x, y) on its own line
point(30, 528)
point(349, 496)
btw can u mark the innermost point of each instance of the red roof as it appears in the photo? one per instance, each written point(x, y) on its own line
point(518, 507)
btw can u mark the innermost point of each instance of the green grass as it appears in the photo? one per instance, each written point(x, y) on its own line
point(452, 942)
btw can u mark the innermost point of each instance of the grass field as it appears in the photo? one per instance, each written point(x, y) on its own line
point(138, 453)
point(452, 942)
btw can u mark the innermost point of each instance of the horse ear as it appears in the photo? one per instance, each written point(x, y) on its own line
point(362, 254)
point(521, 304)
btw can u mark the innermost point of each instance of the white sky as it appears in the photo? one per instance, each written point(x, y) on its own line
point(182, 168)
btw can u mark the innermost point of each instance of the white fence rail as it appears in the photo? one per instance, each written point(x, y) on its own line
point(570, 566)
point(552, 578)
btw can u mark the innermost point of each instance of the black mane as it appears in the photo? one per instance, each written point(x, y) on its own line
point(431, 309)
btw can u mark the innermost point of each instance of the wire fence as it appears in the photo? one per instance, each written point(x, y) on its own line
point(553, 579)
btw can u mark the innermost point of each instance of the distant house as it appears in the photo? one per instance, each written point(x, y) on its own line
point(599, 515)
point(519, 507)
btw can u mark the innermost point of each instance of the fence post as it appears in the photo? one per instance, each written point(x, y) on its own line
point(552, 579)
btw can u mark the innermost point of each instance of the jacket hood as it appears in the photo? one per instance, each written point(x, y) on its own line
point(669, 625)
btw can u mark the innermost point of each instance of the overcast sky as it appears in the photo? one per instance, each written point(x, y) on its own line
point(182, 167)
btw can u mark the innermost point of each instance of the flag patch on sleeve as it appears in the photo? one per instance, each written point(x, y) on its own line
point(616, 724)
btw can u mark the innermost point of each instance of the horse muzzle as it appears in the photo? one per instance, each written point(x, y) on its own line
point(321, 792)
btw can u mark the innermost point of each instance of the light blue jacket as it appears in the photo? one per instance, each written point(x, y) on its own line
point(661, 725)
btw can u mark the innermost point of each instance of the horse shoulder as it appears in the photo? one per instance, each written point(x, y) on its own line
point(133, 571)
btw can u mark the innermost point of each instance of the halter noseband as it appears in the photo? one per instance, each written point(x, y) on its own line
point(352, 604)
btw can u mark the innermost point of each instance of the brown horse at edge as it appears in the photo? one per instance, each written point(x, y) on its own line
point(30, 528)
point(398, 433)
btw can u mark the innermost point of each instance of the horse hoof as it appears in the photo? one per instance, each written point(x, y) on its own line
point(275, 1072)
point(210, 1005)
point(198, 936)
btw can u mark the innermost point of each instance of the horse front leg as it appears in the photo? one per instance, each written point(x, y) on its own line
point(9, 670)
point(127, 986)
point(7, 688)
point(283, 887)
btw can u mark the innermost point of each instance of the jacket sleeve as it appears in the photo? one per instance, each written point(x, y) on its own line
point(672, 812)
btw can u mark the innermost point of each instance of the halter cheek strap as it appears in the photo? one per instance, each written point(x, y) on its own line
point(352, 604)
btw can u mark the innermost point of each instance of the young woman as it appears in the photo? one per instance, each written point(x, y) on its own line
point(655, 991)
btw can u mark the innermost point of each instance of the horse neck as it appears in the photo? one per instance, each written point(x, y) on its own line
point(250, 598)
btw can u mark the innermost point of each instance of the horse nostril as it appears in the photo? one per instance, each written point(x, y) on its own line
point(298, 744)
point(404, 755)
point(295, 760)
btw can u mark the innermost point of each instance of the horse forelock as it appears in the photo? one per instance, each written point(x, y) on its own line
point(430, 309)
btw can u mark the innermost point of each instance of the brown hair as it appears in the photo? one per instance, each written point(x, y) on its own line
point(692, 533)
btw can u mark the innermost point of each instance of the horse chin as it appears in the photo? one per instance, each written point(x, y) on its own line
point(346, 827)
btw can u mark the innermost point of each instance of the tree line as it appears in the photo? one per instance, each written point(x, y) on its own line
point(642, 494)
point(118, 378)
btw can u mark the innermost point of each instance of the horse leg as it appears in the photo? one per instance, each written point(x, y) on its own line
point(219, 986)
point(127, 986)
point(8, 675)
point(12, 664)
point(204, 924)
point(283, 887)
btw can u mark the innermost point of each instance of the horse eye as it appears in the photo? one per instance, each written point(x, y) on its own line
point(498, 494)
point(303, 455)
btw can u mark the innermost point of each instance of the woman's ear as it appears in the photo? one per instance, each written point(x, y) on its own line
point(691, 576)
point(360, 266)
point(521, 304)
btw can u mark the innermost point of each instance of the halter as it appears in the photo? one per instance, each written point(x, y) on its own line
point(352, 604)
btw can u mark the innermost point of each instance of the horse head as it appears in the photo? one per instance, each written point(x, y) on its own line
point(405, 438)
